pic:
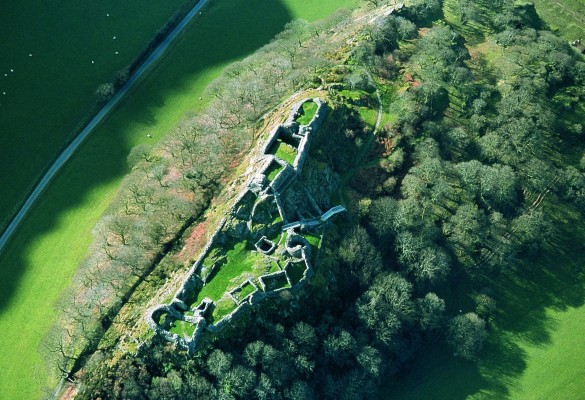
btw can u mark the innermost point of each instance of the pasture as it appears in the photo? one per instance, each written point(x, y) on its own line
point(39, 262)
point(53, 57)
point(565, 17)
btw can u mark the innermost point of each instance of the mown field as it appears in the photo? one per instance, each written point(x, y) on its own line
point(39, 262)
point(48, 80)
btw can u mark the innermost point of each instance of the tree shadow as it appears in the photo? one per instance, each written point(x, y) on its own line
point(48, 73)
point(227, 30)
point(554, 280)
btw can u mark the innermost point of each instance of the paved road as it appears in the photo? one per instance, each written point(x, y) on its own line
point(68, 152)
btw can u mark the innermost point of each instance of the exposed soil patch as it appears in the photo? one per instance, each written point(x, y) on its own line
point(194, 242)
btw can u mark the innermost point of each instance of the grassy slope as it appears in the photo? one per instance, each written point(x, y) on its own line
point(48, 93)
point(535, 350)
point(566, 17)
point(285, 152)
point(556, 371)
point(38, 264)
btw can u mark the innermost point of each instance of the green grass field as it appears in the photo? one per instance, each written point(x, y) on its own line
point(37, 265)
point(246, 290)
point(535, 350)
point(272, 171)
point(47, 94)
point(296, 271)
point(240, 260)
point(566, 17)
point(183, 328)
point(284, 151)
point(307, 112)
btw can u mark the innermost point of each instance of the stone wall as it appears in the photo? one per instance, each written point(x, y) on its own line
point(295, 244)
point(283, 179)
point(307, 134)
point(199, 329)
point(280, 207)
point(272, 137)
point(149, 317)
point(221, 324)
point(207, 247)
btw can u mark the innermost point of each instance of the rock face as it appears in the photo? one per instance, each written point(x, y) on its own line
point(257, 212)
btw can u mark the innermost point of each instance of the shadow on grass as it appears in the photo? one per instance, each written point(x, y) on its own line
point(37, 265)
point(227, 30)
point(554, 280)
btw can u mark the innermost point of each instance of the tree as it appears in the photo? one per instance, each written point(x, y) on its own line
point(467, 334)
point(218, 363)
point(422, 10)
point(130, 261)
point(299, 390)
point(105, 92)
point(253, 353)
point(158, 172)
point(169, 387)
point(118, 227)
point(386, 306)
point(340, 348)
point(467, 11)
point(58, 349)
point(456, 142)
point(370, 360)
point(466, 228)
point(360, 257)
point(470, 175)
point(197, 387)
point(236, 382)
point(531, 230)
point(574, 186)
point(305, 337)
point(139, 153)
point(375, 3)
point(130, 379)
point(499, 187)
point(382, 216)
point(264, 388)
point(431, 266)
point(485, 306)
point(430, 312)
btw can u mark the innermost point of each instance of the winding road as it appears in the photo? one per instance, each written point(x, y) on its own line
point(74, 145)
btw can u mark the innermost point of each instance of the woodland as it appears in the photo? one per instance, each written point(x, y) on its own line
point(475, 172)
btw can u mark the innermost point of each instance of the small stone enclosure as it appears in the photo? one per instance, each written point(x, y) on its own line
point(267, 247)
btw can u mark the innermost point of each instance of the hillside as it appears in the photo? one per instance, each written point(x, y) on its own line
point(39, 263)
point(454, 142)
